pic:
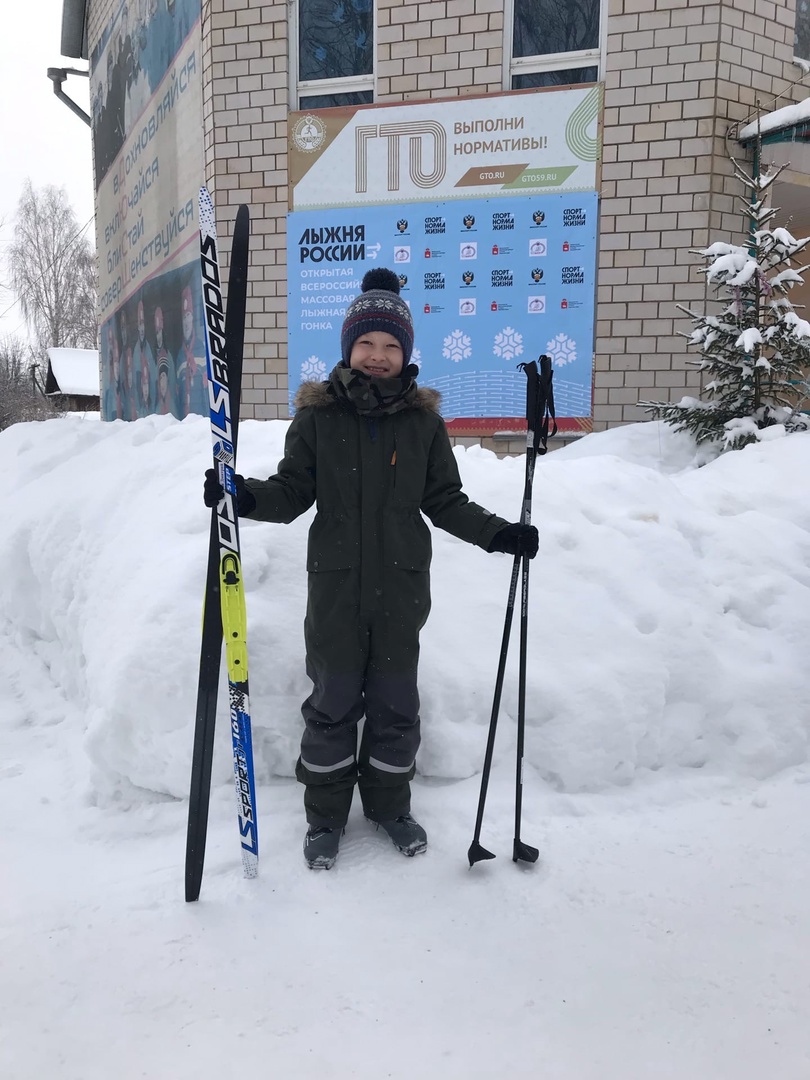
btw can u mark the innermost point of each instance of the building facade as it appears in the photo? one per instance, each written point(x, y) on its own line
point(680, 79)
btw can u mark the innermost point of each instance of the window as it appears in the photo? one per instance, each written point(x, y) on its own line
point(801, 37)
point(333, 61)
point(553, 42)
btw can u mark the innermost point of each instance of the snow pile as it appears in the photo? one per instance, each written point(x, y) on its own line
point(661, 934)
point(669, 621)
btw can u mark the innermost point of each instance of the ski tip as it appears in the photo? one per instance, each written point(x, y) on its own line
point(477, 853)
point(206, 213)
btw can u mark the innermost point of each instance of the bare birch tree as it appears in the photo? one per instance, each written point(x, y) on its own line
point(53, 271)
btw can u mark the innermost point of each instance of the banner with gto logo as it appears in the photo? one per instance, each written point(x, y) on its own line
point(486, 208)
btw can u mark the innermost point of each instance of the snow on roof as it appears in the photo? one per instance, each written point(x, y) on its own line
point(781, 118)
point(76, 371)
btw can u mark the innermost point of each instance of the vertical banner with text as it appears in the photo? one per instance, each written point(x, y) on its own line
point(146, 99)
point(487, 210)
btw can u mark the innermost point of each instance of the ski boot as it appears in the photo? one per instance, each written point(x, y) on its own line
point(321, 847)
point(407, 835)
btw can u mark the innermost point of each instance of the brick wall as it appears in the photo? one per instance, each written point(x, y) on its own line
point(440, 49)
point(428, 50)
point(99, 14)
point(245, 105)
point(679, 75)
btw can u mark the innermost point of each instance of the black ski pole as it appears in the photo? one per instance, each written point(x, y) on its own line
point(477, 851)
point(535, 432)
point(539, 409)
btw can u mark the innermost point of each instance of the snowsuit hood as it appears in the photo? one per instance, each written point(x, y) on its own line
point(318, 395)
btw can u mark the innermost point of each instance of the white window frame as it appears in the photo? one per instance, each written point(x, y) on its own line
point(351, 84)
point(533, 65)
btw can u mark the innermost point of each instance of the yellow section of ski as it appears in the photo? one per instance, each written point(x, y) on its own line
point(234, 617)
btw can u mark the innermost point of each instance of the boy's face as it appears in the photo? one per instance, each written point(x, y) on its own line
point(377, 353)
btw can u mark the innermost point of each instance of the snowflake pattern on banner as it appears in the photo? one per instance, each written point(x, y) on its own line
point(416, 358)
point(508, 344)
point(457, 346)
point(313, 368)
point(562, 350)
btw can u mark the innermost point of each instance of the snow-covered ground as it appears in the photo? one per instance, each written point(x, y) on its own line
point(664, 933)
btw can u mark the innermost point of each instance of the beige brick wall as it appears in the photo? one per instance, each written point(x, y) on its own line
point(99, 14)
point(440, 49)
point(429, 50)
point(245, 106)
point(679, 76)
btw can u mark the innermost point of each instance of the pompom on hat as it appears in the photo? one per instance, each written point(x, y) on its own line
point(378, 307)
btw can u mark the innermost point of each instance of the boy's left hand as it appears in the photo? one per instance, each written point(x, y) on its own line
point(516, 540)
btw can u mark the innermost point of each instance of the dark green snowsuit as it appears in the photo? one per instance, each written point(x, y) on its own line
point(372, 474)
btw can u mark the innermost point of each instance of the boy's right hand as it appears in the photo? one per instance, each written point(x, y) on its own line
point(212, 489)
point(213, 492)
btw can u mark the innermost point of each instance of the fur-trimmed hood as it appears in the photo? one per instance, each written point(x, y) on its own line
point(317, 395)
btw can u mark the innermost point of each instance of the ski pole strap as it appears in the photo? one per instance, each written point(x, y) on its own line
point(545, 403)
point(539, 404)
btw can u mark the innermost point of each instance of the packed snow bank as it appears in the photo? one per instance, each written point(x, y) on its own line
point(669, 615)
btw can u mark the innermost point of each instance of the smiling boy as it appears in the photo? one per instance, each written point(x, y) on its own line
point(378, 354)
point(370, 448)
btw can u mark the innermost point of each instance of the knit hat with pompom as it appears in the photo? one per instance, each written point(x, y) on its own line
point(378, 307)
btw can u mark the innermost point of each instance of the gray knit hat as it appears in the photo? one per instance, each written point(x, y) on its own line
point(378, 307)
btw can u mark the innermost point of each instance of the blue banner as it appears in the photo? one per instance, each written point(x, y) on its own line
point(490, 283)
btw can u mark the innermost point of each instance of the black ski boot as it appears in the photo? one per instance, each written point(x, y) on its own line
point(321, 847)
point(407, 835)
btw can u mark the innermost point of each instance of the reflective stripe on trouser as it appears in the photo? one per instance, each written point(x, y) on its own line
point(361, 665)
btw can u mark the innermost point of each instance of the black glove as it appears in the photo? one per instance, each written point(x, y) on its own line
point(212, 489)
point(516, 540)
point(213, 492)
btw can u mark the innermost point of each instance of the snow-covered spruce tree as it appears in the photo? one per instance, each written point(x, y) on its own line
point(754, 354)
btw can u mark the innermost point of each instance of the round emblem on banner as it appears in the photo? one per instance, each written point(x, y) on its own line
point(309, 133)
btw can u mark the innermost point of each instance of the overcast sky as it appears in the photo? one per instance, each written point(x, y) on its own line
point(40, 137)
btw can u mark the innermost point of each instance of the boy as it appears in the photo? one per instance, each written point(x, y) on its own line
point(370, 448)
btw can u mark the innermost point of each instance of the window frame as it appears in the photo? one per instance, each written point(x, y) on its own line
point(548, 62)
point(802, 61)
point(349, 84)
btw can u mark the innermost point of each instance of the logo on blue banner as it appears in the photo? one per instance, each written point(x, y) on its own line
point(503, 220)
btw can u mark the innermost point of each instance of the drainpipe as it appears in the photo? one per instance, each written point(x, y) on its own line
point(57, 77)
